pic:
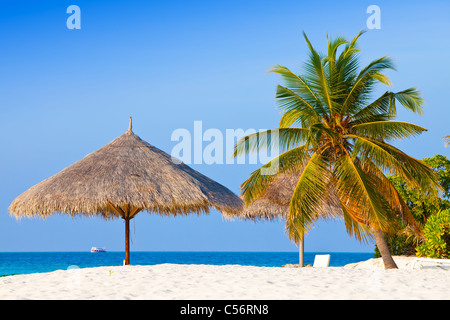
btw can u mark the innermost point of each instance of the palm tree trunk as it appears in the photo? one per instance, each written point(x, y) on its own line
point(389, 262)
point(301, 253)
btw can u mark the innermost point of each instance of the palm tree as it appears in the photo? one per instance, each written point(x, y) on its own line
point(338, 136)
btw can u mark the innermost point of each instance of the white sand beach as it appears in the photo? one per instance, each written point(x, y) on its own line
point(175, 281)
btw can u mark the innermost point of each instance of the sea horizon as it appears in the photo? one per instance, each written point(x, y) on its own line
point(48, 261)
point(246, 251)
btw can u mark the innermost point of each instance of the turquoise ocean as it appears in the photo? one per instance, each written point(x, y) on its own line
point(33, 262)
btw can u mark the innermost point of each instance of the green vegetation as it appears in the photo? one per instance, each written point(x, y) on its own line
point(403, 240)
point(437, 237)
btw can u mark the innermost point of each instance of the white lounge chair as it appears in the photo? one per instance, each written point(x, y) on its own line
point(321, 261)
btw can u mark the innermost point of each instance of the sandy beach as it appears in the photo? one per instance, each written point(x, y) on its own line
point(176, 281)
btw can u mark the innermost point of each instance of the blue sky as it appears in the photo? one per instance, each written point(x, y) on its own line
point(65, 93)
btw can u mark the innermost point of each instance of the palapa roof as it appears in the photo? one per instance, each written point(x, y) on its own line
point(275, 201)
point(127, 174)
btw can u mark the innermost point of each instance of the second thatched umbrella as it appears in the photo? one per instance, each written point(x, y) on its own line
point(124, 177)
point(275, 203)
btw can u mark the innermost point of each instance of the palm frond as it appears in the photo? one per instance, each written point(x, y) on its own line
point(399, 206)
point(333, 45)
point(348, 62)
point(411, 99)
point(387, 157)
point(290, 118)
point(281, 138)
point(365, 79)
point(381, 106)
point(354, 224)
point(447, 140)
point(292, 160)
point(355, 184)
point(333, 73)
point(387, 130)
point(307, 198)
point(316, 75)
point(288, 100)
point(298, 85)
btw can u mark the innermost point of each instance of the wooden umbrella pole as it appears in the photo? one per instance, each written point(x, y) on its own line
point(127, 240)
point(129, 214)
point(126, 216)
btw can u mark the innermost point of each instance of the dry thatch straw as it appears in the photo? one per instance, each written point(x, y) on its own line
point(275, 201)
point(124, 177)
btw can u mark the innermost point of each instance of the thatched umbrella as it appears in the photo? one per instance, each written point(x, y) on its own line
point(274, 203)
point(124, 177)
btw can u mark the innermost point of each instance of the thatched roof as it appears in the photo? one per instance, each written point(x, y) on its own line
point(127, 174)
point(275, 201)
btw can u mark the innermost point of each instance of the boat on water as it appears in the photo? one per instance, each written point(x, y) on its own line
point(95, 249)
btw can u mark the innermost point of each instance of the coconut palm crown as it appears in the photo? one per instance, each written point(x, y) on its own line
point(338, 136)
